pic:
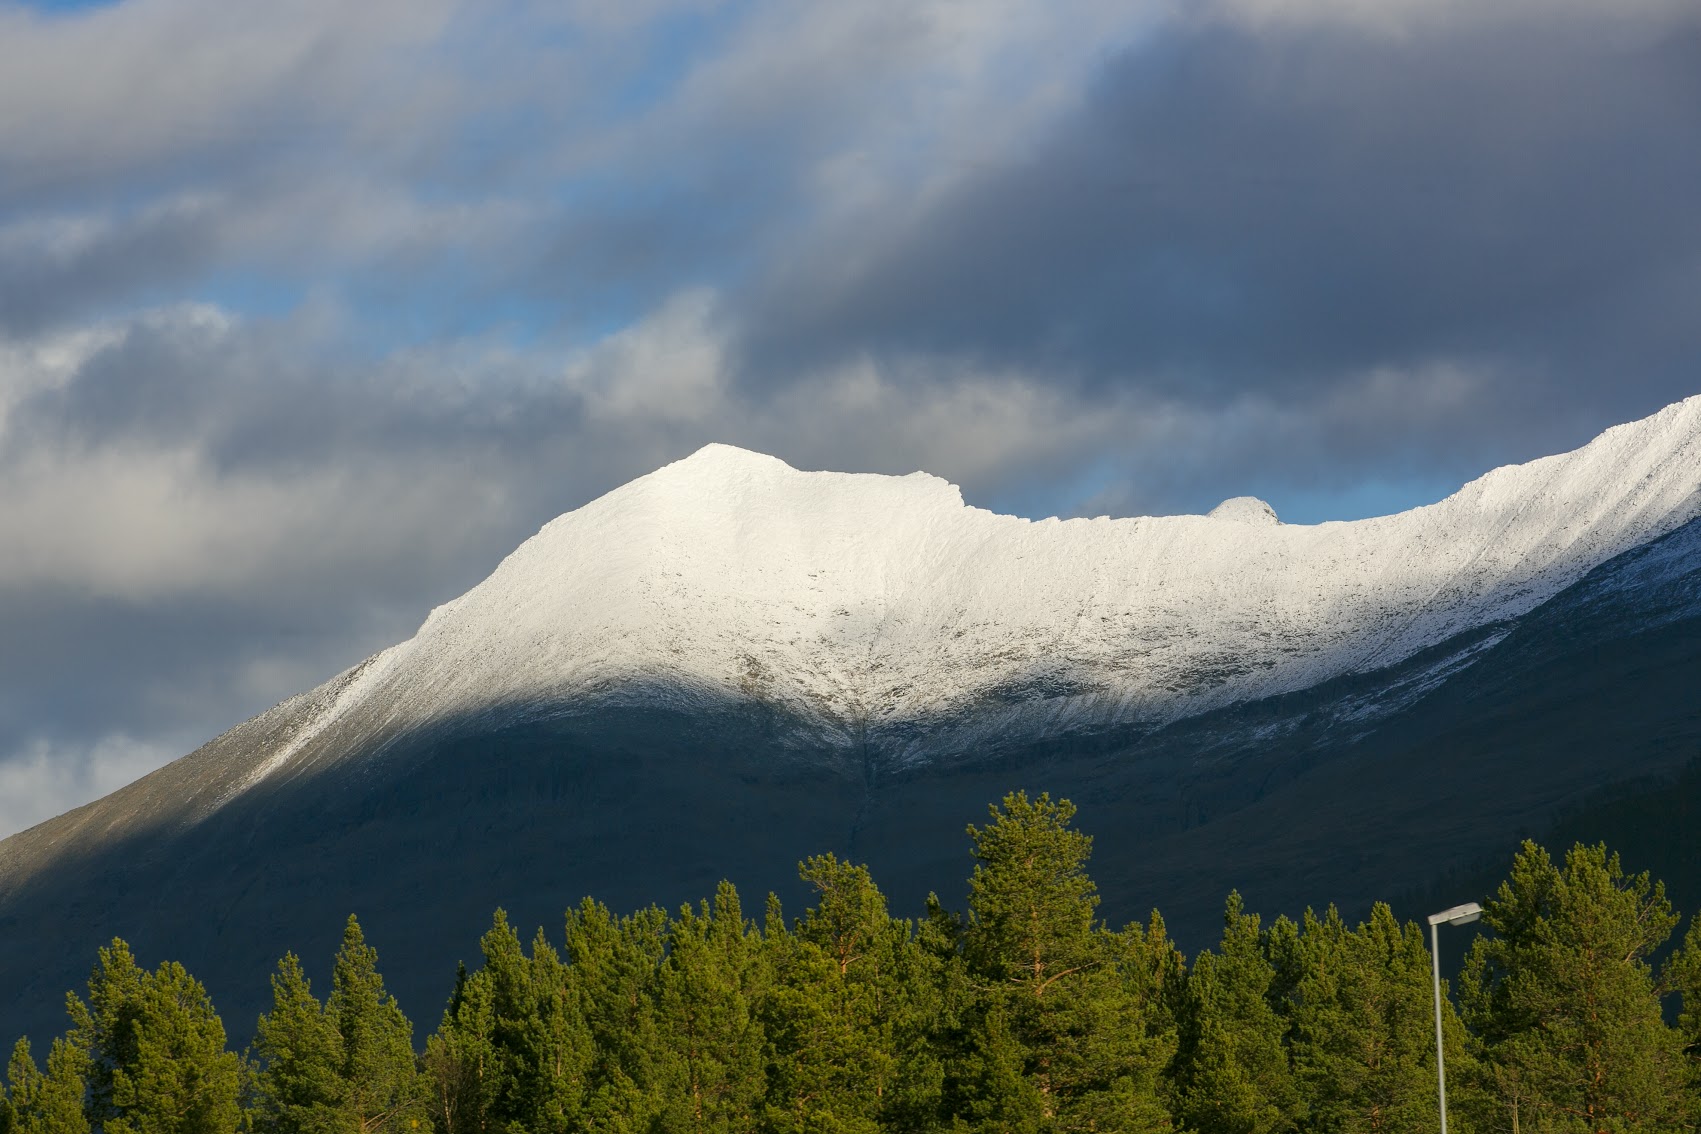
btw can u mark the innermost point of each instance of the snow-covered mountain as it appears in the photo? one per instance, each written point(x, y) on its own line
point(876, 606)
point(729, 664)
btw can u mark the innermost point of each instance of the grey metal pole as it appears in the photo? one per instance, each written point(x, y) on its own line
point(1440, 1062)
point(1458, 915)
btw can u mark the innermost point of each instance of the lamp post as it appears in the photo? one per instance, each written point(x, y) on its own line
point(1458, 915)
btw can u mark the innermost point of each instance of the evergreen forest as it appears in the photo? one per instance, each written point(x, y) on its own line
point(1578, 1008)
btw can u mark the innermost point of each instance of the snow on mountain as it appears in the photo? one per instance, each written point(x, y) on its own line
point(867, 602)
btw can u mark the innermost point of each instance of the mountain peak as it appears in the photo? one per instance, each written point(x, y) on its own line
point(716, 467)
point(759, 489)
point(1245, 510)
point(718, 454)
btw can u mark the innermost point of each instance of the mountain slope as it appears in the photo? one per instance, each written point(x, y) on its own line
point(730, 664)
point(861, 602)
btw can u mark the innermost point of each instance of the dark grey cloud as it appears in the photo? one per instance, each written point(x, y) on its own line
point(276, 396)
point(1277, 210)
point(51, 269)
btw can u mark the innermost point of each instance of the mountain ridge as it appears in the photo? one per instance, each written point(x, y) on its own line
point(617, 602)
point(865, 603)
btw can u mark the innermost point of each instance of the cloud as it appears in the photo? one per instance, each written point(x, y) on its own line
point(43, 780)
point(473, 165)
point(151, 88)
point(1397, 18)
point(1272, 210)
point(185, 450)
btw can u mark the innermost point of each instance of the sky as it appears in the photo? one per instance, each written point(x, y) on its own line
point(312, 311)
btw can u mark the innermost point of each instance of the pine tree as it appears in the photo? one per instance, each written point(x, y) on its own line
point(543, 1046)
point(837, 1015)
point(709, 1072)
point(1231, 1069)
point(908, 1000)
point(183, 1080)
point(105, 1027)
point(1152, 968)
point(22, 1075)
point(849, 919)
point(460, 1059)
point(1683, 976)
point(155, 1048)
point(951, 1003)
point(1053, 1001)
point(1363, 1021)
point(507, 976)
point(380, 1087)
point(1033, 910)
point(540, 1045)
point(8, 1116)
point(298, 1087)
point(1563, 999)
point(45, 1104)
point(1287, 955)
point(615, 966)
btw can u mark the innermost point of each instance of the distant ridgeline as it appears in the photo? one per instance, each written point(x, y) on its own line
point(1027, 1013)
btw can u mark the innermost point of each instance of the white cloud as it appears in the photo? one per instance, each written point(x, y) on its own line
point(30, 366)
point(1405, 17)
point(43, 780)
point(102, 91)
point(124, 509)
point(668, 369)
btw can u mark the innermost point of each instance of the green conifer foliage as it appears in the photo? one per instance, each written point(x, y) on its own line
point(908, 1001)
point(840, 1021)
point(155, 1050)
point(708, 1072)
point(21, 1087)
point(1563, 999)
point(183, 1080)
point(105, 1027)
point(949, 1002)
point(542, 1046)
point(1231, 1069)
point(1684, 977)
point(1033, 911)
point(615, 967)
point(381, 1091)
point(460, 1060)
point(45, 1104)
point(1026, 1015)
point(298, 1085)
point(1054, 1005)
point(1152, 968)
point(507, 975)
point(1363, 1020)
point(849, 920)
point(22, 1075)
point(8, 1116)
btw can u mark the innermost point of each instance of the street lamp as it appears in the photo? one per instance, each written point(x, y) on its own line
point(1458, 915)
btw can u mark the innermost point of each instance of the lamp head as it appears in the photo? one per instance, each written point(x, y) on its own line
point(1458, 915)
